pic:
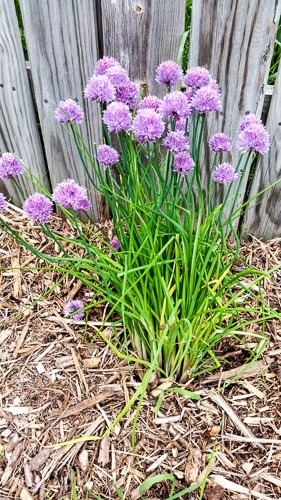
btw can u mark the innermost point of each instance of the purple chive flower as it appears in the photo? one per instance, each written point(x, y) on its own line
point(69, 194)
point(151, 102)
point(71, 307)
point(183, 163)
point(102, 65)
point(3, 202)
point(38, 207)
point(176, 141)
point(10, 166)
point(175, 105)
point(220, 142)
point(168, 73)
point(100, 89)
point(148, 125)
point(69, 111)
point(117, 76)
point(206, 99)
point(115, 243)
point(128, 94)
point(224, 174)
point(254, 137)
point(197, 77)
point(107, 155)
point(248, 120)
point(117, 117)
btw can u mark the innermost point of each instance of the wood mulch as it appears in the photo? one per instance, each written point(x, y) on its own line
point(60, 381)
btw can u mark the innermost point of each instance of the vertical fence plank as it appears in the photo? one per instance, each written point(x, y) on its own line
point(141, 34)
point(62, 43)
point(18, 130)
point(234, 40)
point(264, 219)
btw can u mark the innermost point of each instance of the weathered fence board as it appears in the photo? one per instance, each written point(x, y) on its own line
point(18, 129)
point(141, 34)
point(264, 219)
point(62, 44)
point(234, 40)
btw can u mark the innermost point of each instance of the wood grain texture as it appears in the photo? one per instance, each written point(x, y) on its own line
point(234, 40)
point(18, 127)
point(62, 44)
point(264, 220)
point(141, 34)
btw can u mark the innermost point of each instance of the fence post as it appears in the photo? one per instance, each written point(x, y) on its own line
point(19, 130)
point(62, 43)
point(141, 34)
point(234, 40)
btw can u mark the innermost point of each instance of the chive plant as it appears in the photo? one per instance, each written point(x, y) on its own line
point(168, 271)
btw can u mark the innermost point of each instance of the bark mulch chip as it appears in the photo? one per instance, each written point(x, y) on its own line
point(57, 385)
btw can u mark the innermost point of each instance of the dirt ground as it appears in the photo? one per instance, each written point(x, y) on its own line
point(60, 381)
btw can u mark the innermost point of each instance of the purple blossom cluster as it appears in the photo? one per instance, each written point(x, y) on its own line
point(71, 307)
point(252, 135)
point(128, 94)
point(117, 117)
point(175, 105)
point(9, 166)
point(224, 174)
point(148, 125)
point(3, 202)
point(38, 207)
point(176, 141)
point(115, 243)
point(100, 89)
point(197, 77)
point(168, 73)
point(207, 99)
point(69, 111)
point(151, 102)
point(107, 155)
point(183, 163)
point(71, 195)
point(219, 143)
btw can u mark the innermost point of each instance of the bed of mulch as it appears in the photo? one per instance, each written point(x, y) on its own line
point(60, 381)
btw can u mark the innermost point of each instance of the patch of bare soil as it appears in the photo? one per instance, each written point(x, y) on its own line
point(57, 385)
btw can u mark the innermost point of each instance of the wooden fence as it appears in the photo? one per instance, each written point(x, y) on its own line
point(233, 38)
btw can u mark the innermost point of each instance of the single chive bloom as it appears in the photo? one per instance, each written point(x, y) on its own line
point(9, 166)
point(175, 105)
point(115, 243)
point(100, 89)
point(107, 155)
point(168, 73)
point(38, 207)
point(207, 99)
point(176, 141)
point(197, 77)
point(224, 174)
point(117, 117)
point(69, 195)
point(220, 142)
point(71, 307)
point(151, 102)
point(248, 120)
point(128, 94)
point(102, 65)
point(3, 202)
point(117, 76)
point(148, 125)
point(254, 137)
point(69, 111)
point(183, 163)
